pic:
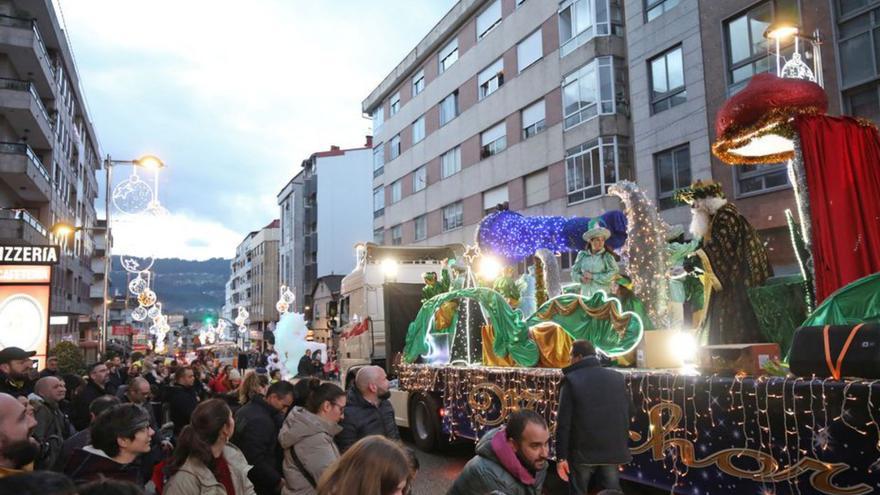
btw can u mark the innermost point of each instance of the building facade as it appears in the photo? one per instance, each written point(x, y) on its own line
point(543, 104)
point(253, 283)
point(325, 306)
point(857, 39)
point(49, 155)
point(318, 200)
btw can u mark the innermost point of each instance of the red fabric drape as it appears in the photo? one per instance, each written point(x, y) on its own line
point(842, 162)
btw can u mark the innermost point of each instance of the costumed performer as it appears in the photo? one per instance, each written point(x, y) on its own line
point(623, 290)
point(527, 288)
point(595, 267)
point(458, 273)
point(432, 286)
point(506, 286)
point(683, 286)
point(736, 258)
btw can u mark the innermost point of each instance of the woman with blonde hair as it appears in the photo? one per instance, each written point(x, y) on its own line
point(253, 384)
point(372, 466)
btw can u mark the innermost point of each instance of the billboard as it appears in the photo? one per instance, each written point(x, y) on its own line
point(24, 302)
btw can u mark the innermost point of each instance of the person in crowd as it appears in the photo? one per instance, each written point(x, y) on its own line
point(119, 436)
point(138, 393)
point(253, 385)
point(153, 372)
point(17, 448)
point(38, 483)
point(302, 388)
point(331, 368)
point(511, 458)
point(72, 383)
point(93, 388)
point(592, 429)
point(243, 361)
point(53, 426)
point(14, 365)
point(274, 376)
point(317, 365)
point(201, 381)
point(307, 438)
point(220, 384)
point(133, 371)
point(51, 368)
point(304, 368)
point(205, 463)
point(116, 374)
point(368, 411)
point(84, 437)
point(181, 398)
point(256, 433)
point(110, 487)
point(373, 465)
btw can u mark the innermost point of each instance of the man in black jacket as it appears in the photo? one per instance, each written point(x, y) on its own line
point(181, 398)
point(304, 367)
point(93, 388)
point(367, 410)
point(14, 365)
point(257, 424)
point(593, 422)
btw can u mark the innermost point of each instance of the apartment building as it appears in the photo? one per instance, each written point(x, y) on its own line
point(542, 104)
point(322, 218)
point(857, 39)
point(253, 283)
point(48, 156)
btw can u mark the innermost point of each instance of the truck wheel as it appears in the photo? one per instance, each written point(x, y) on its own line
point(424, 420)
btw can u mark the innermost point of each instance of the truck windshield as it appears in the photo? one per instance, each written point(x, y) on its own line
point(343, 311)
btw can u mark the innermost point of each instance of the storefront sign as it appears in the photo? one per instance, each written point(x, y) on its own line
point(24, 300)
point(29, 255)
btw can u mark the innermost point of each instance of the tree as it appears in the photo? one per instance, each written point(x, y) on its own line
point(70, 359)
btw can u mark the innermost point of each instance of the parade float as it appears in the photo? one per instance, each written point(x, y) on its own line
point(733, 419)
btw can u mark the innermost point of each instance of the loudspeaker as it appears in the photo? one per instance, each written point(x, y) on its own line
point(861, 358)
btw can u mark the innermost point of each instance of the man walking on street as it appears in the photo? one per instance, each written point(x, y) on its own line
point(93, 388)
point(257, 424)
point(510, 459)
point(592, 428)
point(367, 410)
point(14, 366)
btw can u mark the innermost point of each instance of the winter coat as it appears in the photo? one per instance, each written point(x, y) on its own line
point(90, 391)
point(496, 467)
point(594, 415)
point(90, 464)
point(52, 429)
point(311, 437)
point(362, 419)
point(182, 401)
point(304, 368)
point(194, 478)
point(79, 440)
point(256, 434)
point(15, 388)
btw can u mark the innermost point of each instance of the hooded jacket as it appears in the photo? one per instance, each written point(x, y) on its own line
point(90, 464)
point(311, 437)
point(194, 478)
point(363, 418)
point(496, 467)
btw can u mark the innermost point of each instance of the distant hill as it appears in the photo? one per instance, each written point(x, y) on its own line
point(183, 286)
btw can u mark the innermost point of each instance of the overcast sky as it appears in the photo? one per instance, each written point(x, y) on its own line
point(232, 96)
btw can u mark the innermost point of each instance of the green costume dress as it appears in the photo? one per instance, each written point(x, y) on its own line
point(687, 288)
point(438, 287)
point(601, 265)
point(636, 305)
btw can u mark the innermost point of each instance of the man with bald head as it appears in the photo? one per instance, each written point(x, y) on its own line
point(367, 410)
point(53, 426)
point(17, 448)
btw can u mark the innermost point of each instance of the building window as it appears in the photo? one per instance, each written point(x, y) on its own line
point(581, 20)
point(673, 169)
point(395, 103)
point(537, 188)
point(378, 201)
point(449, 108)
point(494, 197)
point(529, 51)
point(418, 82)
point(859, 44)
point(378, 119)
point(420, 178)
point(751, 179)
point(593, 166)
point(396, 235)
point(747, 50)
point(488, 19)
point(453, 216)
point(491, 78)
point(533, 119)
point(588, 91)
point(379, 236)
point(667, 80)
point(448, 55)
point(493, 140)
point(450, 162)
point(656, 8)
point(378, 159)
point(396, 191)
point(864, 102)
point(418, 129)
point(421, 228)
point(395, 147)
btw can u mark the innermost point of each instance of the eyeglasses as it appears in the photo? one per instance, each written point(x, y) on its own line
point(340, 406)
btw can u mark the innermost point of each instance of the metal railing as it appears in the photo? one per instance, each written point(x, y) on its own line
point(24, 216)
point(19, 85)
point(23, 149)
point(24, 23)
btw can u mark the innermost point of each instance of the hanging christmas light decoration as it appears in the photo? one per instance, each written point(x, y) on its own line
point(147, 298)
point(132, 196)
point(139, 283)
point(155, 311)
point(139, 313)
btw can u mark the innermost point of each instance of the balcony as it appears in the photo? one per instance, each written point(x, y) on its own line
point(24, 173)
point(96, 291)
point(24, 45)
point(25, 112)
point(21, 228)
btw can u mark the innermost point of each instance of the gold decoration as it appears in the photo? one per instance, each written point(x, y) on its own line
point(607, 311)
point(489, 356)
point(777, 121)
point(554, 345)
